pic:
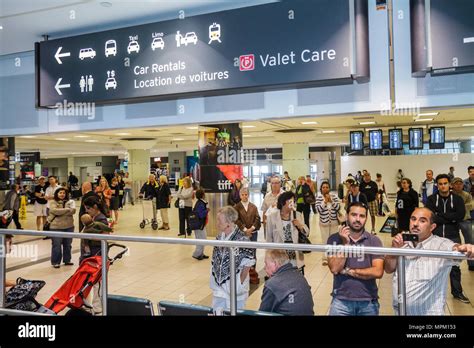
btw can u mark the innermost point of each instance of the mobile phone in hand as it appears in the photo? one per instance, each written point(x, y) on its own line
point(410, 237)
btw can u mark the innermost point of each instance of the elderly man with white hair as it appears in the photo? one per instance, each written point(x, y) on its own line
point(220, 265)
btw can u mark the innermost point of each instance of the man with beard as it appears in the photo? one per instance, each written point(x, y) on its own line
point(426, 277)
point(355, 289)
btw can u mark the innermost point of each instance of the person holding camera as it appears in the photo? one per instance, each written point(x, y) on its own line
point(425, 277)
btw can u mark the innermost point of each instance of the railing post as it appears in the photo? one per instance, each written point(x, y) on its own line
point(103, 253)
point(3, 272)
point(402, 291)
point(233, 283)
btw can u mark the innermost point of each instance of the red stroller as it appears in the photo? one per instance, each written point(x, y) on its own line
point(74, 291)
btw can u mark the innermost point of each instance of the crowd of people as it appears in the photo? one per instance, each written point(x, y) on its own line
point(445, 213)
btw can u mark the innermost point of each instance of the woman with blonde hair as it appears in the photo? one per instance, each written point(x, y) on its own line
point(105, 193)
point(185, 196)
point(163, 200)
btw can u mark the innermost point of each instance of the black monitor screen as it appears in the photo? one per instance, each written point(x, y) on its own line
point(437, 138)
point(395, 137)
point(416, 138)
point(357, 141)
point(375, 139)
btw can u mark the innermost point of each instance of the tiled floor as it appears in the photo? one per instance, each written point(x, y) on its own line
point(168, 272)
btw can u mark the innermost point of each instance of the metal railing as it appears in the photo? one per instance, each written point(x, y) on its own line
point(347, 249)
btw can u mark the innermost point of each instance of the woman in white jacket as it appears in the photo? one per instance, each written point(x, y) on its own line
point(284, 224)
point(185, 196)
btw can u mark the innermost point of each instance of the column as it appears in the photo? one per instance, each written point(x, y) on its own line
point(70, 166)
point(139, 164)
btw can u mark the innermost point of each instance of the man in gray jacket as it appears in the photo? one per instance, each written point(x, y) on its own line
point(286, 292)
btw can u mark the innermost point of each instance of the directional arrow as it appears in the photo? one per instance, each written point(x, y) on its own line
point(59, 55)
point(58, 86)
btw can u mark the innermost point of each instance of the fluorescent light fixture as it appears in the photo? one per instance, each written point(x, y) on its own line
point(28, 136)
point(309, 122)
point(192, 128)
point(249, 126)
point(246, 135)
point(1, 27)
point(122, 133)
point(92, 141)
point(428, 114)
point(367, 122)
point(62, 139)
point(178, 139)
point(423, 119)
point(329, 131)
point(468, 125)
point(82, 136)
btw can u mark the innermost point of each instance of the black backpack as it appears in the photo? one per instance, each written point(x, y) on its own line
point(195, 223)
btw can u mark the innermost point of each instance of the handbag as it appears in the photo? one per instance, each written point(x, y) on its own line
point(47, 224)
point(302, 237)
point(22, 295)
point(309, 198)
point(176, 203)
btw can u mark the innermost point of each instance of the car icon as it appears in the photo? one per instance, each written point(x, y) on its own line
point(190, 37)
point(133, 46)
point(86, 53)
point(157, 43)
point(110, 83)
point(110, 48)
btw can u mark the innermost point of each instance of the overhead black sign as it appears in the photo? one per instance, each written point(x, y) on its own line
point(279, 45)
point(450, 35)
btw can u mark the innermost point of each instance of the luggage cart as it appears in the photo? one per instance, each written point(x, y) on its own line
point(147, 205)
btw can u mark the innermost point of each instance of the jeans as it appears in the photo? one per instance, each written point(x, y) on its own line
point(183, 220)
point(61, 248)
point(200, 234)
point(127, 192)
point(354, 308)
point(455, 274)
point(467, 232)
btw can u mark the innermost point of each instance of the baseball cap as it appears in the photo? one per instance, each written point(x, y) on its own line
point(457, 179)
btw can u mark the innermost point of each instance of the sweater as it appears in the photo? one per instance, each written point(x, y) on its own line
point(449, 212)
point(61, 214)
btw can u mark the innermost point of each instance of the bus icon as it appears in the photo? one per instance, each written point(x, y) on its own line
point(111, 48)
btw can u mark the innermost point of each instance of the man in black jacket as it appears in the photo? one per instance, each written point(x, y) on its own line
point(286, 292)
point(449, 211)
point(370, 189)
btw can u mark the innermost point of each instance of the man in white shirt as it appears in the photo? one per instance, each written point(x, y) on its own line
point(426, 277)
point(49, 193)
point(271, 197)
point(220, 264)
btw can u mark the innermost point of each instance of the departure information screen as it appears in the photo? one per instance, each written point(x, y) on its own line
point(415, 138)
point(375, 139)
point(437, 137)
point(357, 140)
point(395, 137)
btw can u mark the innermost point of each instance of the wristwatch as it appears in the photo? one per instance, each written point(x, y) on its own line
point(345, 271)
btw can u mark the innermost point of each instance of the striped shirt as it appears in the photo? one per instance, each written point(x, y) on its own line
point(327, 211)
point(426, 279)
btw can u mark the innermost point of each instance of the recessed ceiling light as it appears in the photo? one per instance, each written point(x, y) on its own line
point(28, 136)
point(468, 125)
point(429, 114)
point(178, 139)
point(192, 128)
point(329, 131)
point(367, 122)
point(309, 122)
point(423, 119)
point(249, 126)
point(246, 135)
point(82, 136)
point(62, 139)
point(122, 133)
point(92, 141)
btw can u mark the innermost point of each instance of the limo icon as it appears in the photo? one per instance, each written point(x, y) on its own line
point(157, 43)
point(86, 53)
